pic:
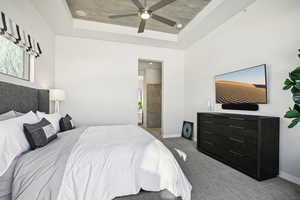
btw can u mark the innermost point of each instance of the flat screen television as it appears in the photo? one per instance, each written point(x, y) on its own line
point(243, 86)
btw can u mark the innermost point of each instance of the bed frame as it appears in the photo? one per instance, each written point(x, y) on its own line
point(22, 99)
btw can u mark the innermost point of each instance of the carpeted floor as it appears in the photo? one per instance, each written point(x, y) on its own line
point(156, 132)
point(212, 180)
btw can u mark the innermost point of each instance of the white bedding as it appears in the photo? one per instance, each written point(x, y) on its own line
point(113, 161)
point(12, 139)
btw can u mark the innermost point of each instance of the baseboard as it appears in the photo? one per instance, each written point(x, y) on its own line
point(171, 136)
point(289, 177)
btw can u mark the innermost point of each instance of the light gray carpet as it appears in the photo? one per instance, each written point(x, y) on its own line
point(212, 180)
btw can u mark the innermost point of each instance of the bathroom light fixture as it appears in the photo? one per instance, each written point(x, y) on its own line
point(81, 13)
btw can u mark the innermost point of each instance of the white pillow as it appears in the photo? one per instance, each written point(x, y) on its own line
point(12, 139)
point(52, 118)
point(8, 115)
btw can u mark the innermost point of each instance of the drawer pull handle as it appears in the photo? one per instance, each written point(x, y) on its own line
point(209, 133)
point(236, 153)
point(233, 126)
point(209, 143)
point(237, 140)
point(237, 118)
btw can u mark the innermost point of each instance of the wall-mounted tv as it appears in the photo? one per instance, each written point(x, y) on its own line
point(242, 86)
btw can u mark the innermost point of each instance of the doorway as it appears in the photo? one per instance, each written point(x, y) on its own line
point(150, 96)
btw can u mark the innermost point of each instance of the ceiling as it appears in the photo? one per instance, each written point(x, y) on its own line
point(217, 12)
point(181, 11)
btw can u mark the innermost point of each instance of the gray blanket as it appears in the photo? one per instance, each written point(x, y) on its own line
point(6, 182)
point(38, 174)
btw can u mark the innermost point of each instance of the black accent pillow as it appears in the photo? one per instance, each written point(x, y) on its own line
point(66, 123)
point(39, 134)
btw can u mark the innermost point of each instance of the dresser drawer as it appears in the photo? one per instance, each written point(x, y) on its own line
point(243, 134)
point(208, 146)
point(212, 143)
point(208, 134)
point(242, 162)
point(207, 123)
point(242, 146)
point(211, 119)
point(213, 127)
point(231, 122)
point(240, 123)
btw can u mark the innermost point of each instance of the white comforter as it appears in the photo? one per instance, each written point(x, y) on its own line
point(113, 161)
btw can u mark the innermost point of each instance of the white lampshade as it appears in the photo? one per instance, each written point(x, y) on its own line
point(57, 95)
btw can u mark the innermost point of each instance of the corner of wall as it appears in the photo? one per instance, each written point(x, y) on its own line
point(289, 177)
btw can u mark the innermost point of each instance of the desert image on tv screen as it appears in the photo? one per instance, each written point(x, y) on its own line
point(244, 86)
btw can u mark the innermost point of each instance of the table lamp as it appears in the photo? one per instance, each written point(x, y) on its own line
point(57, 95)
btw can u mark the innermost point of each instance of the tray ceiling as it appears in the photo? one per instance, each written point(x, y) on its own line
point(181, 11)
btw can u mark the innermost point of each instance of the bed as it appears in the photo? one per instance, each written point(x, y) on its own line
point(100, 162)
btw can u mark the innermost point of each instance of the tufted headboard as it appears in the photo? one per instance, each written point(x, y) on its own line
point(22, 99)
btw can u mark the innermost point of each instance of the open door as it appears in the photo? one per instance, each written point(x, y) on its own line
point(150, 94)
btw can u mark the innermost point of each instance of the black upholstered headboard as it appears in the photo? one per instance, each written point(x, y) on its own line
point(22, 99)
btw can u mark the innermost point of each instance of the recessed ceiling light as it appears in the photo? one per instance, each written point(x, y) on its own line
point(81, 13)
point(179, 26)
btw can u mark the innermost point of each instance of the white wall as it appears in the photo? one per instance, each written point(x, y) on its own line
point(24, 14)
point(268, 32)
point(101, 80)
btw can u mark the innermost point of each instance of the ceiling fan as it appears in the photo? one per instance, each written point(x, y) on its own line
point(146, 13)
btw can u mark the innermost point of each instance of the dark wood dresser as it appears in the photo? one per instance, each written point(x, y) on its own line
point(247, 143)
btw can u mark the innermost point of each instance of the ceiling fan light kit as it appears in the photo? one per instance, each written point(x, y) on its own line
point(146, 13)
point(81, 13)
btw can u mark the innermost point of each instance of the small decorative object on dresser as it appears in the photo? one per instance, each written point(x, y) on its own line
point(247, 143)
point(187, 130)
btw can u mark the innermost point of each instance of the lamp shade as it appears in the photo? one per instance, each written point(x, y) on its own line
point(57, 95)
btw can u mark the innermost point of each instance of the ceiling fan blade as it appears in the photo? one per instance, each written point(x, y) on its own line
point(142, 26)
point(164, 20)
point(160, 4)
point(138, 4)
point(125, 15)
